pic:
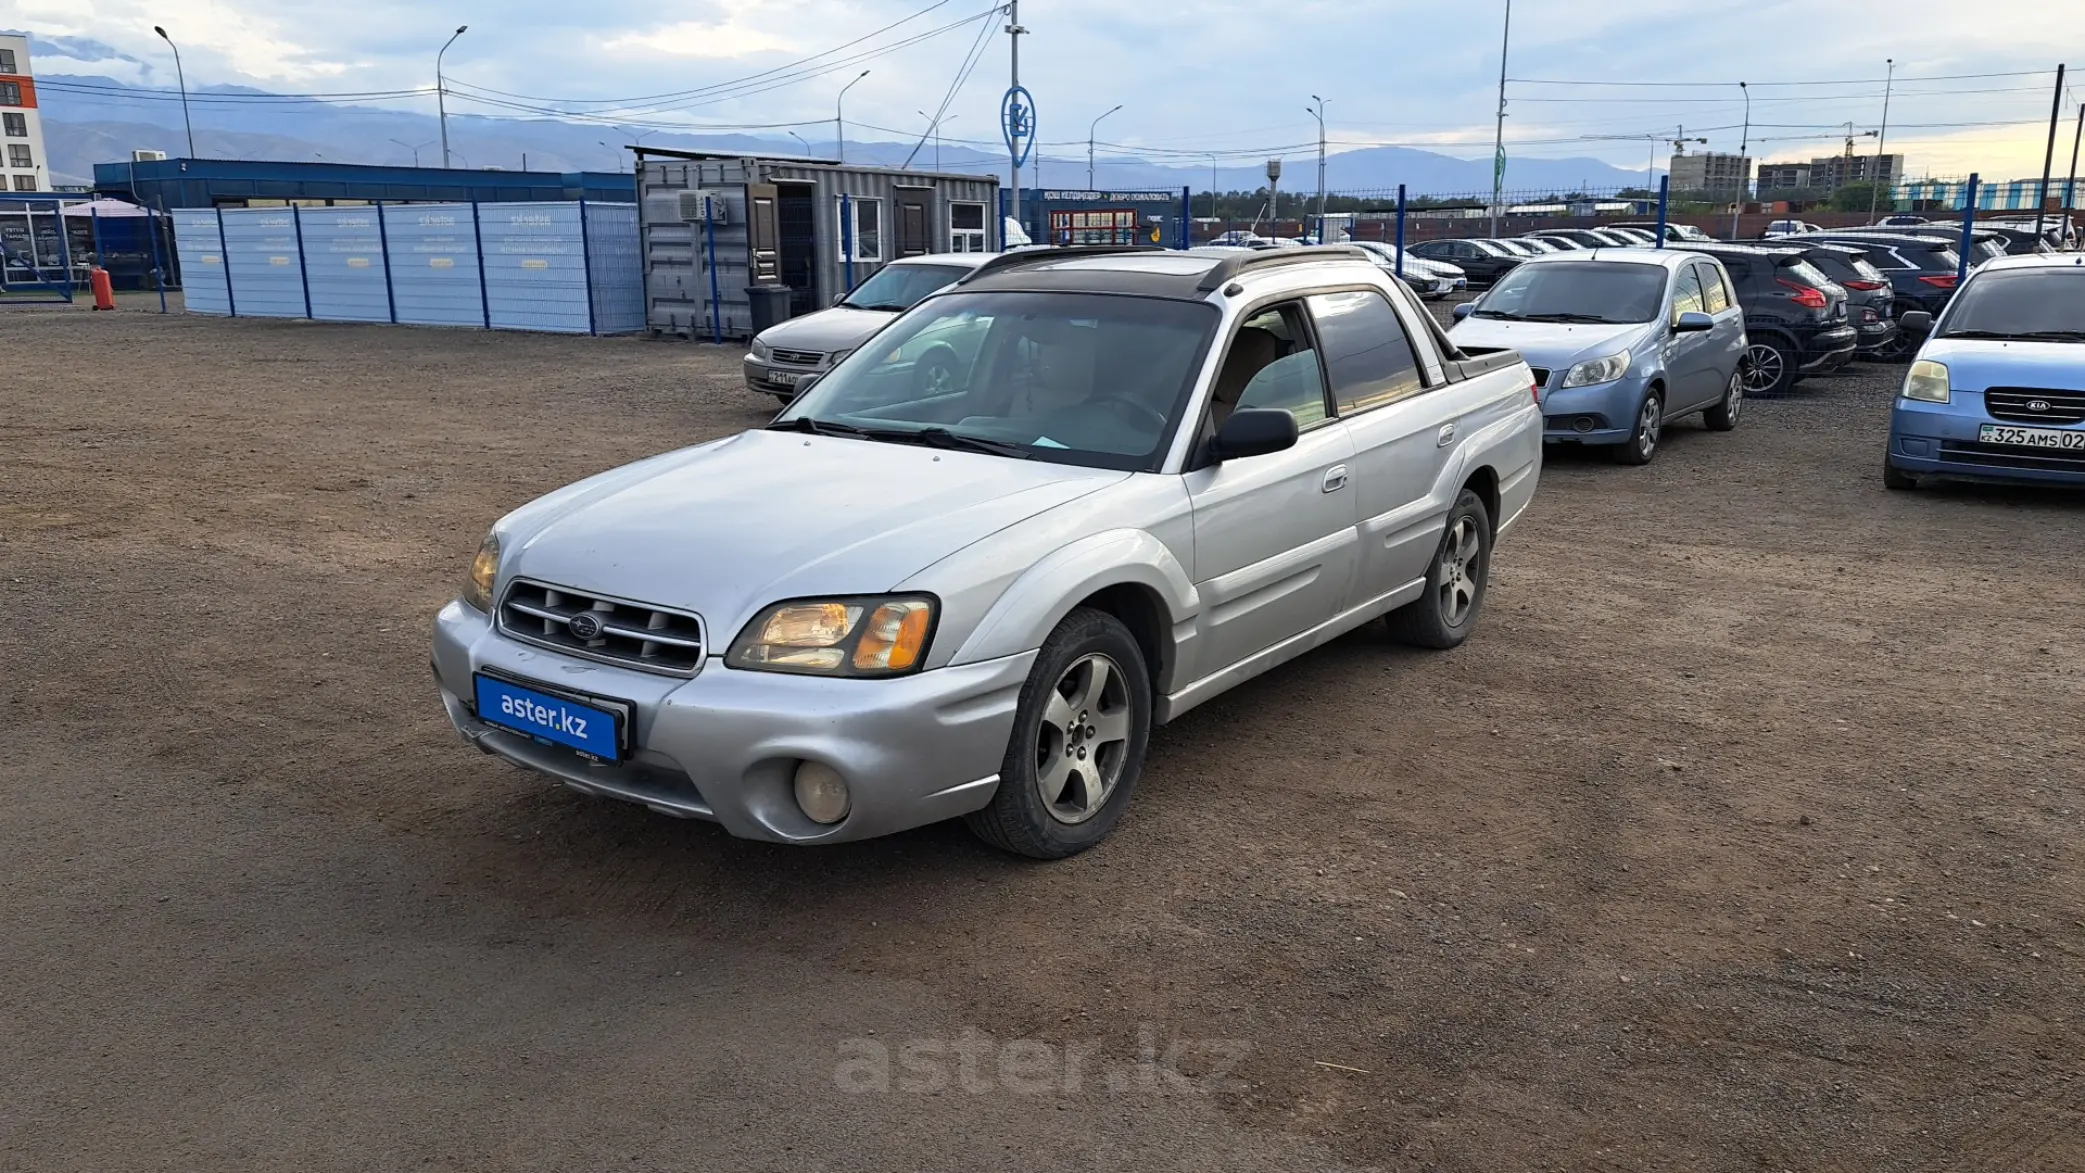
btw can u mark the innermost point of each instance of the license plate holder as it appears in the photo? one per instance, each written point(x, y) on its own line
point(2020, 436)
point(593, 727)
point(784, 378)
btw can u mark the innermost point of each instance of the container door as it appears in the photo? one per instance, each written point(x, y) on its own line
point(912, 224)
point(764, 233)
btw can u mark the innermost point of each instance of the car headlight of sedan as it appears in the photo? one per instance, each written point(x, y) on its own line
point(838, 637)
point(1927, 381)
point(761, 351)
point(485, 572)
point(832, 360)
point(1598, 370)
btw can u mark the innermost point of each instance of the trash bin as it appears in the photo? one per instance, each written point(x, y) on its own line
point(770, 305)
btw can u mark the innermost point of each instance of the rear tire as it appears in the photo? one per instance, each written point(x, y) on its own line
point(1896, 478)
point(1724, 416)
point(1642, 443)
point(1768, 369)
point(1456, 582)
point(1077, 750)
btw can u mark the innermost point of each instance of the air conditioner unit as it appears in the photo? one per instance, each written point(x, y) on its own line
point(148, 156)
point(692, 210)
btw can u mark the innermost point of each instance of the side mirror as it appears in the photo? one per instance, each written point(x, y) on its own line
point(1255, 431)
point(1693, 322)
point(1915, 322)
point(1465, 310)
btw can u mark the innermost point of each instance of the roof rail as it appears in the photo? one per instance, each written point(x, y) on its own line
point(1229, 267)
point(1036, 256)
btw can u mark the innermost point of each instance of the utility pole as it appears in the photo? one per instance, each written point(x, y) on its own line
point(1013, 33)
point(441, 103)
point(2041, 202)
point(1319, 110)
point(1744, 163)
point(1498, 158)
point(1089, 145)
point(1881, 141)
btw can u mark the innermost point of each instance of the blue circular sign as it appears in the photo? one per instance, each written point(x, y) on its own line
point(1017, 122)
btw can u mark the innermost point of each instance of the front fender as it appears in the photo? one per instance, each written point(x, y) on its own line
point(1036, 602)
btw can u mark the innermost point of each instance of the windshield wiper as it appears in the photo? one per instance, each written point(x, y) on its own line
point(2020, 335)
point(816, 427)
point(943, 438)
point(1567, 318)
point(1495, 314)
point(882, 306)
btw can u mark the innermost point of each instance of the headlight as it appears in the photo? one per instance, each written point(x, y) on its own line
point(833, 359)
point(485, 571)
point(761, 351)
point(1927, 381)
point(1598, 370)
point(837, 637)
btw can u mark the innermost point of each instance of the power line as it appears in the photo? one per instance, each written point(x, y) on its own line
point(1844, 81)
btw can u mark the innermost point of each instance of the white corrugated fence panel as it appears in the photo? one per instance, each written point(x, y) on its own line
point(264, 262)
point(434, 265)
point(535, 267)
point(344, 264)
point(203, 287)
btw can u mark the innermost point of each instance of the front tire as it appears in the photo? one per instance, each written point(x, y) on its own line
point(1642, 443)
point(1080, 731)
point(1456, 581)
point(1896, 478)
point(1724, 416)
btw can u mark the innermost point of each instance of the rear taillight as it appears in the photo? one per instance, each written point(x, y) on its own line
point(1863, 286)
point(1941, 281)
point(1807, 296)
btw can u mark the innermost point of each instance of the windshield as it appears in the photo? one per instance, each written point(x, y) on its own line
point(1577, 291)
point(1073, 378)
point(2028, 303)
point(900, 287)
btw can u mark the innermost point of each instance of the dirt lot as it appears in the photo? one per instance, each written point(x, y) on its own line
point(1744, 836)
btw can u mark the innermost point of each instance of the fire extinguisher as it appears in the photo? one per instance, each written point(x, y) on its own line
point(104, 290)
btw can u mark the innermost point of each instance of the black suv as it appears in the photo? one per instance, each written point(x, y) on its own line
point(1795, 316)
point(1480, 260)
point(1870, 299)
point(1922, 269)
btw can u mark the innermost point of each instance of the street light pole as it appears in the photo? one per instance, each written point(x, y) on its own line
point(441, 103)
point(182, 78)
point(1212, 172)
point(1744, 163)
point(2070, 186)
point(839, 116)
point(416, 149)
point(1882, 140)
point(2041, 199)
point(1089, 146)
point(1319, 110)
point(1498, 159)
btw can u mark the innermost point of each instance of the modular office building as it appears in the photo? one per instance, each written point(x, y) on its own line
point(714, 225)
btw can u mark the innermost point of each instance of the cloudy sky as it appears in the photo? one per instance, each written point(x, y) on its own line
point(1973, 91)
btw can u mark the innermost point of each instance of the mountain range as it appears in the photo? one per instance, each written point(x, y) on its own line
point(82, 129)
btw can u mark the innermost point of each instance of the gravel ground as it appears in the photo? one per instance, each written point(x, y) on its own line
point(1745, 835)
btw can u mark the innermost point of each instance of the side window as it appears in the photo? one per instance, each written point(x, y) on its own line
point(1714, 297)
point(1271, 364)
point(1367, 354)
point(1686, 293)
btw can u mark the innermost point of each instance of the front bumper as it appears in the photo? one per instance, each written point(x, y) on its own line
point(1604, 413)
point(1940, 440)
point(724, 745)
point(763, 377)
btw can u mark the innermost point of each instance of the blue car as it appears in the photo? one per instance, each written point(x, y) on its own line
point(1622, 341)
point(1997, 391)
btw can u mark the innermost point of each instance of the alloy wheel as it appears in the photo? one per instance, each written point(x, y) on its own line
point(1083, 740)
point(1648, 423)
point(1462, 569)
point(1762, 369)
point(938, 379)
point(1734, 397)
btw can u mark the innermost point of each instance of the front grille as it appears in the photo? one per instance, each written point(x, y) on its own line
point(2028, 405)
point(797, 358)
point(636, 635)
point(2005, 456)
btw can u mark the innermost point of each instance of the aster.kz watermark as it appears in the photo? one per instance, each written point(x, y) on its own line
point(975, 1062)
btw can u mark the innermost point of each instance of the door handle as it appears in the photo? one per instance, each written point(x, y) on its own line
point(1335, 478)
point(1446, 437)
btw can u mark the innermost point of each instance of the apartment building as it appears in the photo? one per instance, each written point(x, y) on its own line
point(23, 166)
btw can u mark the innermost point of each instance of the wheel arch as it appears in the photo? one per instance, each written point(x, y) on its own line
point(1484, 481)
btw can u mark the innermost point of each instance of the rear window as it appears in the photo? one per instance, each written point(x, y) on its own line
point(1806, 273)
point(1866, 271)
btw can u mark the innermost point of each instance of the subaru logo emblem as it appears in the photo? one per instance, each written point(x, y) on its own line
point(585, 625)
point(2037, 405)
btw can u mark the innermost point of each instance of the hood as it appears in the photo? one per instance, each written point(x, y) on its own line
point(839, 328)
point(1550, 344)
point(730, 527)
point(1974, 364)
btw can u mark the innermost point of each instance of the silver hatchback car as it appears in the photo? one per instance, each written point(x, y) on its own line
point(1156, 475)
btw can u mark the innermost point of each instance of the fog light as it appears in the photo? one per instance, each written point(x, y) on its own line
point(1584, 423)
point(822, 793)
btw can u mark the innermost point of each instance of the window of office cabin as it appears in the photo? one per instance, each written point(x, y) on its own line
point(1367, 353)
point(966, 228)
point(16, 125)
point(7, 61)
point(19, 155)
point(25, 183)
point(10, 93)
point(862, 221)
